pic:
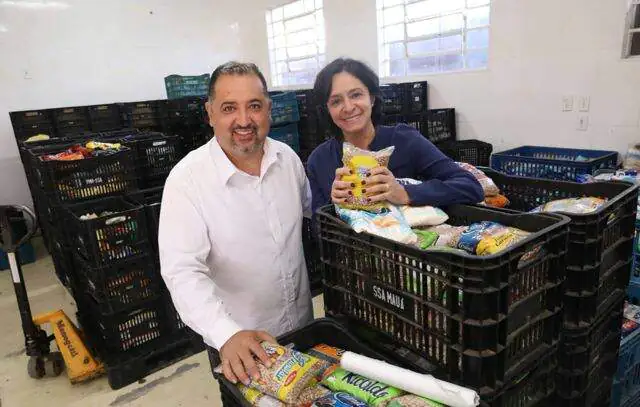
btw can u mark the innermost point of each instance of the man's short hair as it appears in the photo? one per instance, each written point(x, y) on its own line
point(236, 68)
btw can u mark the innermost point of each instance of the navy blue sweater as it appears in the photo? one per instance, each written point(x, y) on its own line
point(444, 182)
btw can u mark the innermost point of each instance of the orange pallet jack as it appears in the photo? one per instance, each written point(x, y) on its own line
point(73, 354)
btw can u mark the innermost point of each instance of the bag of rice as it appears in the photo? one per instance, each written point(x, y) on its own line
point(411, 400)
point(370, 391)
point(290, 374)
point(360, 162)
point(423, 215)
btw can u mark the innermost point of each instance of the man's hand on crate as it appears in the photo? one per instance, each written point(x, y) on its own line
point(238, 363)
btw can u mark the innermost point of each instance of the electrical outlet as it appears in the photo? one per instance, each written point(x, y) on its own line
point(583, 122)
point(567, 103)
point(584, 103)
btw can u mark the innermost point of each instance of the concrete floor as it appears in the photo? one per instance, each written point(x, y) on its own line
point(186, 383)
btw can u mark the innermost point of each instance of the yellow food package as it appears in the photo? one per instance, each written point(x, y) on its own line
point(360, 162)
point(290, 374)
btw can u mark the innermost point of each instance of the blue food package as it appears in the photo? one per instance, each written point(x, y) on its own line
point(339, 399)
point(487, 238)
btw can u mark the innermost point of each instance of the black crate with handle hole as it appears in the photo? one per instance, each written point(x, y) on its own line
point(579, 349)
point(474, 152)
point(151, 200)
point(479, 319)
point(156, 155)
point(103, 175)
point(394, 97)
point(148, 115)
point(185, 112)
point(121, 332)
point(416, 98)
point(598, 241)
point(312, 256)
point(105, 117)
point(114, 230)
point(440, 125)
point(119, 285)
point(589, 388)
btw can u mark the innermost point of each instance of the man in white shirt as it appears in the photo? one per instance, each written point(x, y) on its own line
point(230, 228)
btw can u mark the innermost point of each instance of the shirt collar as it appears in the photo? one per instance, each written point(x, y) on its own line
point(226, 169)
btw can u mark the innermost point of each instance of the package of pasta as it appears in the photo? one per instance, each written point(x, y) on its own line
point(360, 162)
point(290, 374)
point(370, 391)
point(423, 215)
point(488, 186)
point(447, 235)
point(578, 206)
point(255, 398)
point(389, 224)
point(487, 238)
point(411, 400)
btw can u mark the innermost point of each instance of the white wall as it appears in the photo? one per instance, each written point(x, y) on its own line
point(100, 52)
point(106, 51)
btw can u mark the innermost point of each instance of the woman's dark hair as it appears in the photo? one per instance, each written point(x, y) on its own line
point(322, 91)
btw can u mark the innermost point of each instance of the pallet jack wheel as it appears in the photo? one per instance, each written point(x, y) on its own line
point(54, 364)
point(36, 367)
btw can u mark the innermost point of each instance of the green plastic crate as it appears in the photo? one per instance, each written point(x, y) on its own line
point(182, 86)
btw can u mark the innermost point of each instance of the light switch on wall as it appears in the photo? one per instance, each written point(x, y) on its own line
point(583, 103)
point(583, 122)
point(567, 103)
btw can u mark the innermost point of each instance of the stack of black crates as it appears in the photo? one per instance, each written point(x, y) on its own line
point(599, 260)
point(99, 220)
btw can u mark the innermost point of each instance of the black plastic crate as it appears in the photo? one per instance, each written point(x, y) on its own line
point(23, 133)
point(116, 334)
point(195, 137)
point(185, 112)
point(79, 180)
point(151, 200)
point(320, 331)
point(480, 320)
point(148, 115)
point(597, 241)
point(105, 117)
point(139, 363)
point(581, 349)
point(394, 97)
point(120, 285)
point(156, 155)
point(105, 239)
point(416, 99)
point(72, 128)
point(440, 125)
point(28, 118)
point(62, 259)
point(588, 388)
point(474, 152)
point(312, 256)
point(70, 114)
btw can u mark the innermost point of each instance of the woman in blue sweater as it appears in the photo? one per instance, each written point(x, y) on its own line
point(348, 101)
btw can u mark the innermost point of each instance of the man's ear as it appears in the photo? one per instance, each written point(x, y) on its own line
point(209, 108)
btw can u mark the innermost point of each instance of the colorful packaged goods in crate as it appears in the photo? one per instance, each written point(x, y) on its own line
point(601, 233)
point(480, 320)
point(73, 172)
point(626, 386)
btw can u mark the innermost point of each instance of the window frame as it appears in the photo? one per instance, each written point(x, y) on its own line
point(384, 63)
point(319, 42)
point(629, 31)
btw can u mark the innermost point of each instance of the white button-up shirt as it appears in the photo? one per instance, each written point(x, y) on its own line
point(231, 244)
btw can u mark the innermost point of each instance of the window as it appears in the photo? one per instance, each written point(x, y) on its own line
point(428, 36)
point(296, 42)
point(632, 33)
